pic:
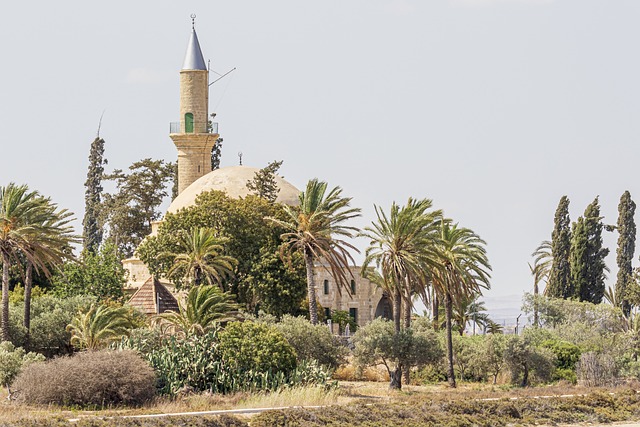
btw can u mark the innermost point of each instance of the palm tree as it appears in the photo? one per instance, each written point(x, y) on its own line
point(463, 271)
point(402, 247)
point(206, 306)
point(316, 229)
point(31, 227)
point(200, 260)
point(100, 326)
point(541, 269)
point(470, 309)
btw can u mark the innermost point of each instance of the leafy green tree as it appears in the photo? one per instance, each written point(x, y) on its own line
point(129, 212)
point(31, 227)
point(206, 307)
point(342, 319)
point(587, 256)
point(491, 354)
point(379, 343)
point(92, 225)
point(316, 230)
point(525, 359)
point(100, 326)
point(264, 183)
point(250, 346)
point(559, 285)
point(403, 246)
point(100, 274)
point(199, 259)
point(463, 270)
point(216, 155)
point(261, 279)
point(312, 342)
point(626, 247)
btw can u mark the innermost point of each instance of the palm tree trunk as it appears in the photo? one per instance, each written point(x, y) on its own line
point(435, 308)
point(397, 309)
point(5, 297)
point(311, 288)
point(535, 304)
point(28, 282)
point(406, 371)
point(448, 308)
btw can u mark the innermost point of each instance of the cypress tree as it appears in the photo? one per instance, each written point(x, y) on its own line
point(92, 230)
point(626, 247)
point(587, 256)
point(560, 278)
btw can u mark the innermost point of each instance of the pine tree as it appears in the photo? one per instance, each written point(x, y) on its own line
point(560, 279)
point(264, 183)
point(92, 230)
point(587, 256)
point(216, 154)
point(626, 248)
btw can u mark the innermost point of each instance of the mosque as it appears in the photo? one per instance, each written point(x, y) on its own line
point(194, 137)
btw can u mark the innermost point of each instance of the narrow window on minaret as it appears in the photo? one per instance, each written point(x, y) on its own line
point(198, 168)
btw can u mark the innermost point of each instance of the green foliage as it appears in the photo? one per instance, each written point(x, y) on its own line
point(525, 360)
point(312, 342)
point(251, 346)
point(129, 212)
point(91, 378)
point(264, 183)
point(342, 319)
point(567, 357)
point(626, 247)
point(98, 274)
point(587, 256)
point(379, 343)
point(16, 296)
point(205, 308)
point(316, 230)
point(92, 226)
point(99, 326)
point(559, 285)
point(248, 239)
point(50, 316)
point(13, 360)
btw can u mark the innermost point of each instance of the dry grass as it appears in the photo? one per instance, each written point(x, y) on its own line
point(298, 396)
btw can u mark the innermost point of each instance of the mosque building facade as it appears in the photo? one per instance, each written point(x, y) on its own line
point(194, 137)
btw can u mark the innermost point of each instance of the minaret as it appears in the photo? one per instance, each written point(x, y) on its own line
point(193, 136)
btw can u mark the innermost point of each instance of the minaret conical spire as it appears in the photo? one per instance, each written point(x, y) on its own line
point(193, 60)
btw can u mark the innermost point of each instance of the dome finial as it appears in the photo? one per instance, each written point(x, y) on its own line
point(193, 21)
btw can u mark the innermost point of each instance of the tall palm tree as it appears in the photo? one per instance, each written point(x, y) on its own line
point(463, 271)
point(99, 326)
point(199, 259)
point(403, 248)
point(316, 229)
point(206, 306)
point(32, 227)
point(470, 310)
point(540, 270)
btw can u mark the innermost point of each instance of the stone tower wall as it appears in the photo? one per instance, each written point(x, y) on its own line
point(194, 98)
point(194, 156)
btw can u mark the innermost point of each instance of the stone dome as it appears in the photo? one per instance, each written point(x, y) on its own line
point(233, 181)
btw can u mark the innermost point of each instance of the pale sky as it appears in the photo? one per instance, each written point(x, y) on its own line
point(491, 108)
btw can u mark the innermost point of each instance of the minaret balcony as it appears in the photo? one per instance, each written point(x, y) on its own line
point(182, 127)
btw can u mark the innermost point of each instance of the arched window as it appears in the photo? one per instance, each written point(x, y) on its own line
point(188, 123)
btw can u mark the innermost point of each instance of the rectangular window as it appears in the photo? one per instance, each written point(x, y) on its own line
point(327, 313)
point(353, 287)
point(353, 313)
point(326, 287)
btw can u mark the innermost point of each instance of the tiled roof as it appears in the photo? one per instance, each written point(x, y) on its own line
point(153, 298)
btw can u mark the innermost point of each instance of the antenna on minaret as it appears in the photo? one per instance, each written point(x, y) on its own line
point(193, 21)
point(240, 157)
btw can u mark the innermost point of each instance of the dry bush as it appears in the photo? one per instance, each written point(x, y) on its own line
point(93, 378)
point(596, 369)
point(352, 373)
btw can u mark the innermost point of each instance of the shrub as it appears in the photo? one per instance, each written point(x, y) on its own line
point(312, 342)
point(567, 356)
point(94, 378)
point(596, 369)
point(253, 346)
point(12, 361)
